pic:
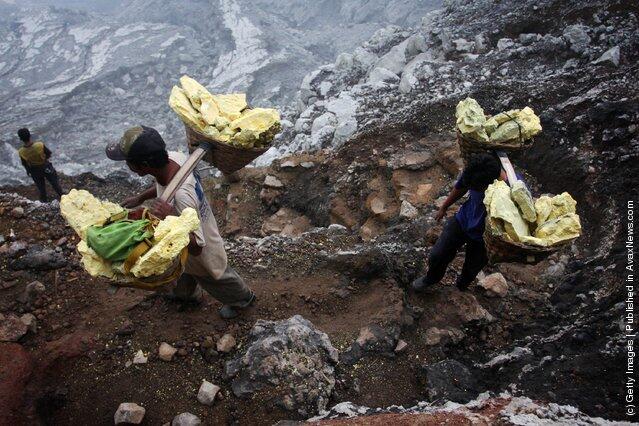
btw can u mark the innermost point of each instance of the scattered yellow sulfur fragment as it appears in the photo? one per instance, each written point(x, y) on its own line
point(170, 237)
point(470, 119)
point(524, 201)
point(81, 209)
point(500, 205)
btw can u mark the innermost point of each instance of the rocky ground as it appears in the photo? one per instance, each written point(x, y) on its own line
point(336, 235)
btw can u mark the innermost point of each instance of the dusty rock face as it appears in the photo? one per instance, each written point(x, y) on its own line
point(484, 410)
point(290, 357)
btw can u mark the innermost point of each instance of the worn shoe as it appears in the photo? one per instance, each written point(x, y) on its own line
point(230, 312)
point(419, 284)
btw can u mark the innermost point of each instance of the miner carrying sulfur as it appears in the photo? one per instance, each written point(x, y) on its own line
point(466, 227)
point(145, 153)
point(35, 160)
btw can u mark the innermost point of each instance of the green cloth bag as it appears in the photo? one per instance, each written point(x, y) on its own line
point(115, 241)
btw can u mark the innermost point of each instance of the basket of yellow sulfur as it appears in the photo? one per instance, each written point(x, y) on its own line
point(234, 133)
point(526, 230)
point(154, 258)
point(509, 131)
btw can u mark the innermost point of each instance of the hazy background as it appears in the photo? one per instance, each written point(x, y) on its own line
point(79, 72)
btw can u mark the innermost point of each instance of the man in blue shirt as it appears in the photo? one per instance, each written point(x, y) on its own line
point(466, 227)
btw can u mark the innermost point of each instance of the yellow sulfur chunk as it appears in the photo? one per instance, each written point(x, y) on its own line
point(555, 231)
point(94, 264)
point(494, 122)
point(221, 123)
point(231, 105)
point(81, 209)
point(470, 119)
point(521, 196)
point(543, 207)
point(179, 102)
point(245, 138)
point(524, 125)
point(258, 120)
point(562, 204)
point(170, 237)
point(194, 91)
point(500, 205)
point(209, 110)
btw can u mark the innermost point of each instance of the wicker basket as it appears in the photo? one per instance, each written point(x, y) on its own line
point(501, 250)
point(469, 147)
point(225, 157)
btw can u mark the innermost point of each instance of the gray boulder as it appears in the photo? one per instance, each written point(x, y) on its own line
point(291, 358)
point(577, 38)
point(39, 258)
point(610, 57)
point(364, 58)
point(382, 75)
point(396, 59)
point(410, 77)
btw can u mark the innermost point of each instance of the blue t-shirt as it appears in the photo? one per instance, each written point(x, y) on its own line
point(471, 216)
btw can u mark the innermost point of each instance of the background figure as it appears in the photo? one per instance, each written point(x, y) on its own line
point(35, 159)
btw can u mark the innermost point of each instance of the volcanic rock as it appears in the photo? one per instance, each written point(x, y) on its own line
point(277, 348)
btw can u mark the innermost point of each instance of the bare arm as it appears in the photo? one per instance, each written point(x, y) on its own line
point(136, 200)
point(454, 195)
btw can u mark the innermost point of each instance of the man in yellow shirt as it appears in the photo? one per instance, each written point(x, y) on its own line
point(35, 159)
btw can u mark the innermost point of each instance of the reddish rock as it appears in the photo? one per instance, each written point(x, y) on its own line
point(16, 366)
point(341, 214)
point(286, 222)
point(371, 229)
